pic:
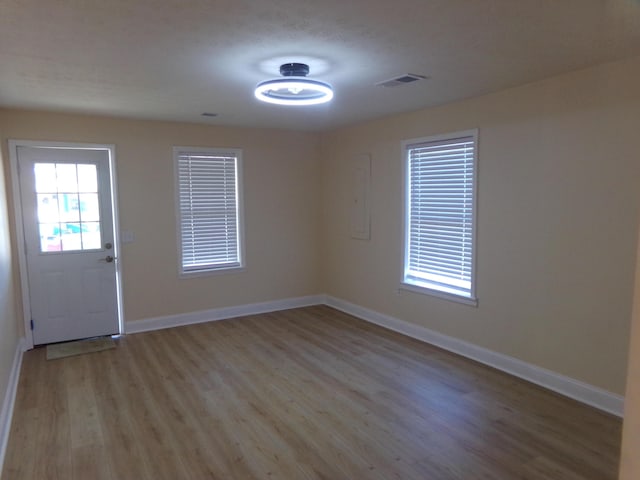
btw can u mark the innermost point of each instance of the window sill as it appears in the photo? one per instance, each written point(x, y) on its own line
point(410, 287)
point(212, 272)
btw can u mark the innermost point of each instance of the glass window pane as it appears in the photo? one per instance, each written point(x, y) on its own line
point(87, 178)
point(66, 176)
point(91, 238)
point(68, 220)
point(69, 207)
point(89, 207)
point(71, 237)
point(48, 208)
point(50, 237)
point(45, 174)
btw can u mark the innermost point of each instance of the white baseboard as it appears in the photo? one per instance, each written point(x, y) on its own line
point(169, 321)
point(583, 392)
point(6, 414)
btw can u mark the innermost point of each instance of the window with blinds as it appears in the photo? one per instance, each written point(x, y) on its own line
point(209, 213)
point(440, 184)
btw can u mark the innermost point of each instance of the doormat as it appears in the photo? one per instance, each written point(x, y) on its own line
point(79, 347)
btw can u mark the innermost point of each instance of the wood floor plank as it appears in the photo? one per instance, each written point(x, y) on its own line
point(123, 445)
point(89, 462)
point(309, 394)
point(84, 421)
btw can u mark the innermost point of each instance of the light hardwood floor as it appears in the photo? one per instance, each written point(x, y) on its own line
point(308, 393)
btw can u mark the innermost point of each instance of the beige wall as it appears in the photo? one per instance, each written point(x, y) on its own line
point(281, 199)
point(8, 317)
point(558, 202)
point(559, 193)
point(630, 460)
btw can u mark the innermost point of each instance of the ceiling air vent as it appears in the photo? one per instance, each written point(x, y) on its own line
point(401, 80)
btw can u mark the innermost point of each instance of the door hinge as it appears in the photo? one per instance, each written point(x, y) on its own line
point(32, 324)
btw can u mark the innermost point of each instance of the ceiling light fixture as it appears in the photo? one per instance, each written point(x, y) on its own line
point(294, 88)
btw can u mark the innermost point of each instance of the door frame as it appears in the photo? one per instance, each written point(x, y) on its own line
point(19, 225)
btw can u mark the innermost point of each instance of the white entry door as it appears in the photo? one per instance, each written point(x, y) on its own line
point(69, 242)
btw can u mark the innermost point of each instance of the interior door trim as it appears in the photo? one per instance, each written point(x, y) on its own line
point(19, 226)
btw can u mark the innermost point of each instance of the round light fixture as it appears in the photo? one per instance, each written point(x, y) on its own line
point(294, 88)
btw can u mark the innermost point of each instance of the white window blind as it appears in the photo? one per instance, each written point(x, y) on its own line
point(208, 210)
point(440, 210)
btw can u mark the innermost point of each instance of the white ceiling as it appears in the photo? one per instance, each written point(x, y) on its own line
point(174, 59)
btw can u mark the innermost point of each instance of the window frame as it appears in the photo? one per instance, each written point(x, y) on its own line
point(211, 270)
point(426, 288)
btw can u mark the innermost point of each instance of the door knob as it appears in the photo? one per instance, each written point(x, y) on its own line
point(108, 259)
